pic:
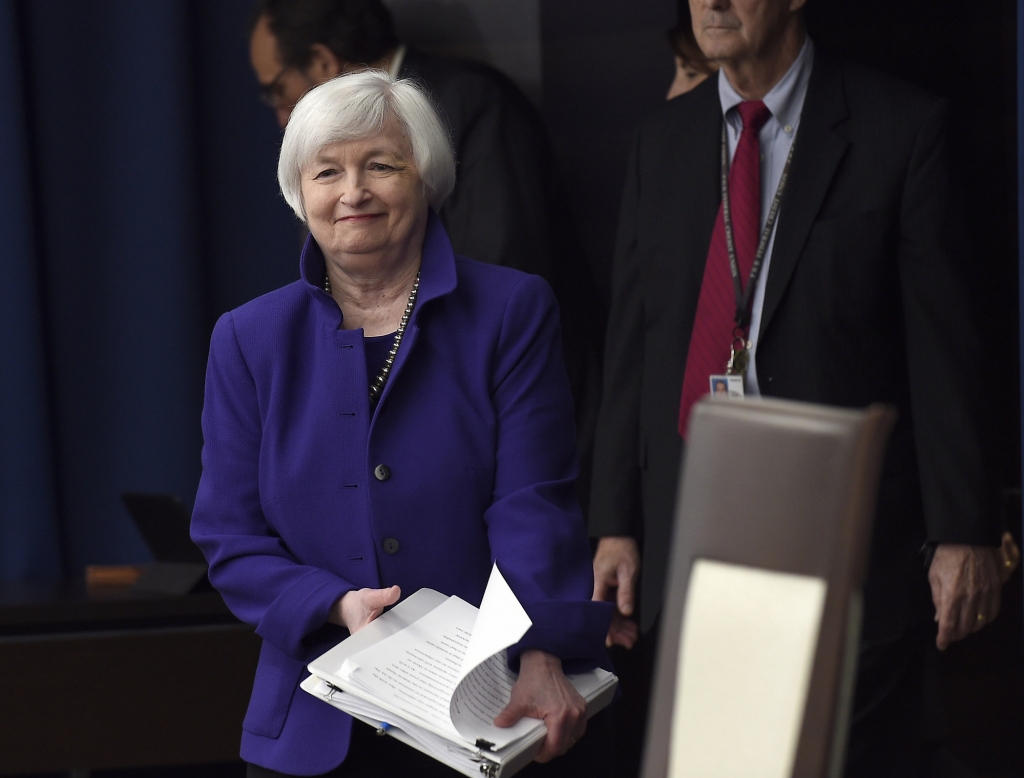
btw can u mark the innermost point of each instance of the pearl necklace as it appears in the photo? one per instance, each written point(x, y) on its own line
point(378, 383)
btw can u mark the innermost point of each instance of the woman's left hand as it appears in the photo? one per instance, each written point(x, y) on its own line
point(543, 692)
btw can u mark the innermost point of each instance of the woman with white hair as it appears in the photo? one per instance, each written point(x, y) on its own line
point(398, 418)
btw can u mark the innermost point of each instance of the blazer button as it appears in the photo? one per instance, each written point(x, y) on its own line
point(382, 472)
point(390, 545)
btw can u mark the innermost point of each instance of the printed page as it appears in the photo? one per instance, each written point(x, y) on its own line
point(481, 696)
point(416, 670)
point(485, 685)
point(419, 669)
point(500, 622)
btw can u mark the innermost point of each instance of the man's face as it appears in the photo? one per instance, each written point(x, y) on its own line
point(281, 86)
point(731, 32)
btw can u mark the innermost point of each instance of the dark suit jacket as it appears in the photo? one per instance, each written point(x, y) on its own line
point(508, 209)
point(861, 305)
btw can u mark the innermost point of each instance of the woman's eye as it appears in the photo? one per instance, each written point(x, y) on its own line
point(325, 173)
point(380, 167)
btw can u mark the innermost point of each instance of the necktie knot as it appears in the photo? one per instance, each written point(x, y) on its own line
point(754, 114)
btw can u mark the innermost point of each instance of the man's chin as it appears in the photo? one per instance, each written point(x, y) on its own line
point(719, 43)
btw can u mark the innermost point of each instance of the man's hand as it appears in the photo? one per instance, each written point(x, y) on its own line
point(543, 692)
point(616, 569)
point(358, 608)
point(965, 590)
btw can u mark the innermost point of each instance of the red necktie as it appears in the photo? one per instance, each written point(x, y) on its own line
point(711, 339)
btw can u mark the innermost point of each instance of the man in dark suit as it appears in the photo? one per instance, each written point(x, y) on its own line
point(507, 207)
point(856, 301)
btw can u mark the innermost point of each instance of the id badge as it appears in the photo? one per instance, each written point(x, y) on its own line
point(727, 385)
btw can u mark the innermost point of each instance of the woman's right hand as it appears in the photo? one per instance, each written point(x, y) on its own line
point(358, 608)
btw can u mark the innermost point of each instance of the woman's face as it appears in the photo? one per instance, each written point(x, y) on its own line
point(364, 201)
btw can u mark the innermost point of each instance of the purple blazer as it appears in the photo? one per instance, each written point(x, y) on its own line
point(475, 432)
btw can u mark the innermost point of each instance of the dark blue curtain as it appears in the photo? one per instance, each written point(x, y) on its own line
point(137, 203)
point(29, 537)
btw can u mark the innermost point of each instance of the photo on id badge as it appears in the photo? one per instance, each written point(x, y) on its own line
point(727, 385)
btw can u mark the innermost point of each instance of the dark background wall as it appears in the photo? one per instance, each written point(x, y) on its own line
point(139, 171)
point(142, 204)
point(138, 202)
point(606, 64)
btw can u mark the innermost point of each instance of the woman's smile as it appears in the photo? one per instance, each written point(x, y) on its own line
point(365, 203)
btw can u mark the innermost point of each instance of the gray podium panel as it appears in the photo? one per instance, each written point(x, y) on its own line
point(778, 497)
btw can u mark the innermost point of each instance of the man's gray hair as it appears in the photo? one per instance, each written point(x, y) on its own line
point(356, 106)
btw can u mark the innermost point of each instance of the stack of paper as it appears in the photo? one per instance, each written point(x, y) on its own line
point(432, 672)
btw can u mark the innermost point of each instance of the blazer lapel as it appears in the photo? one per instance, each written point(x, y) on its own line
point(819, 150)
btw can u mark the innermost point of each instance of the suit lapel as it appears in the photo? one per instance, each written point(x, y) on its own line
point(704, 171)
point(685, 168)
point(819, 150)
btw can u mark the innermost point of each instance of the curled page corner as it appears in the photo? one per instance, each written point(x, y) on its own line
point(501, 622)
point(485, 682)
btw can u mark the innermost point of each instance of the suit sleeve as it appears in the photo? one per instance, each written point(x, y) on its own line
point(615, 507)
point(261, 581)
point(942, 349)
point(498, 211)
point(534, 524)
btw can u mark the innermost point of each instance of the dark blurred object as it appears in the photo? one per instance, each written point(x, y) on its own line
point(111, 576)
point(163, 520)
point(605, 65)
point(116, 678)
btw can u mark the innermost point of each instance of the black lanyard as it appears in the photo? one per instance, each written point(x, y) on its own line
point(743, 296)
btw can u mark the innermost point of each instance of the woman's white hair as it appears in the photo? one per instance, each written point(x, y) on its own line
point(356, 106)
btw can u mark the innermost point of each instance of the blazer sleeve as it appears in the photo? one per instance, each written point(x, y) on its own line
point(615, 507)
point(942, 349)
point(261, 581)
point(534, 524)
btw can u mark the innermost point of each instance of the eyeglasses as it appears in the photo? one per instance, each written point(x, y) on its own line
point(270, 93)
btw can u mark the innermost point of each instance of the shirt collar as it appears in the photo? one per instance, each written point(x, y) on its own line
point(786, 98)
point(395, 65)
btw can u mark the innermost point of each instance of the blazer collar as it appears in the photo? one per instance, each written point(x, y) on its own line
point(437, 270)
point(820, 147)
point(437, 279)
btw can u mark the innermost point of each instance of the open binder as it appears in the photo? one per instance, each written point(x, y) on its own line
point(432, 672)
point(759, 630)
